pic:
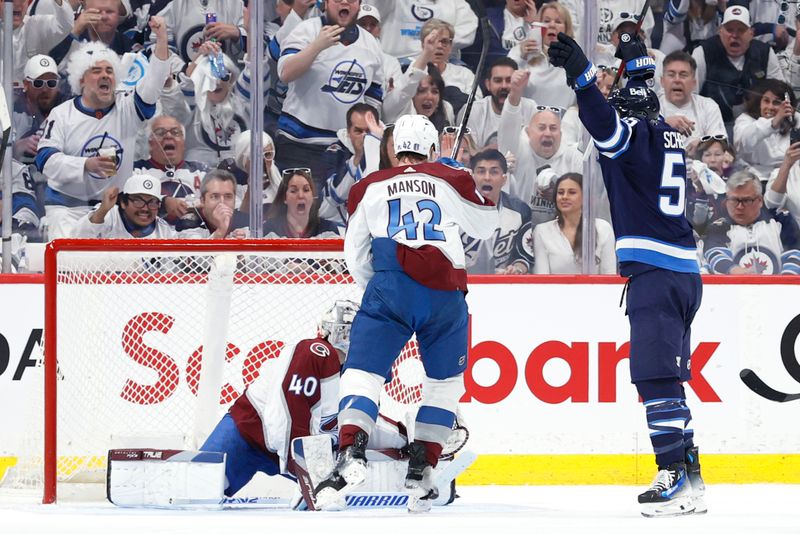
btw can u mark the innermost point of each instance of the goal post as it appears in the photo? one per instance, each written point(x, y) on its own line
point(147, 343)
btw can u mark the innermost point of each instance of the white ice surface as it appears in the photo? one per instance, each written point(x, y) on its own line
point(733, 509)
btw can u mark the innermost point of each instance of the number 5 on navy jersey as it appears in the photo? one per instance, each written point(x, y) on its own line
point(672, 180)
point(408, 222)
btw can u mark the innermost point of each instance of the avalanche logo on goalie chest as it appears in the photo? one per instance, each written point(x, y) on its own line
point(372, 501)
point(347, 82)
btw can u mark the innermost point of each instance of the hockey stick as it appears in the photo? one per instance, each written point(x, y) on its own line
point(639, 23)
point(757, 386)
point(366, 499)
point(5, 124)
point(483, 23)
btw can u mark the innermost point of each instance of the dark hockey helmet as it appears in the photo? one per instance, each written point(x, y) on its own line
point(636, 101)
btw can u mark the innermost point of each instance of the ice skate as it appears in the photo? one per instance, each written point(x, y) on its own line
point(349, 473)
point(670, 494)
point(419, 480)
point(698, 486)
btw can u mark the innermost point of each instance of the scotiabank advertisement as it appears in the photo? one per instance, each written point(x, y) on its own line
point(548, 370)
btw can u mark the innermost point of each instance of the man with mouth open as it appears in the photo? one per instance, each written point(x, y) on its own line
point(730, 63)
point(693, 115)
point(329, 63)
point(87, 142)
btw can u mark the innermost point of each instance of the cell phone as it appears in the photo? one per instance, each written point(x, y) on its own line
point(794, 136)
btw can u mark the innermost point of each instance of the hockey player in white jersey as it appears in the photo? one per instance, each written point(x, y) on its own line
point(87, 142)
point(403, 244)
point(132, 214)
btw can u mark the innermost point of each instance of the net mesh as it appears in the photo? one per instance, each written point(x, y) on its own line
point(131, 330)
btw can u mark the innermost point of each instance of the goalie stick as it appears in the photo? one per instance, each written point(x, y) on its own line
point(483, 22)
point(355, 500)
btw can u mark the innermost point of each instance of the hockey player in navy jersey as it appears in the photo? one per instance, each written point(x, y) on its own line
point(403, 245)
point(643, 166)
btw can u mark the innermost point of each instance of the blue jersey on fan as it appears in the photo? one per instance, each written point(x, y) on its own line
point(645, 175)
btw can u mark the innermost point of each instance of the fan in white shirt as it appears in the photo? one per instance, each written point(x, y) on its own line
point(693, 115)
point(557, 244)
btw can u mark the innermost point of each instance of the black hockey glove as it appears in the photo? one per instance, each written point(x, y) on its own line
point(565, 52)
point(633, 53)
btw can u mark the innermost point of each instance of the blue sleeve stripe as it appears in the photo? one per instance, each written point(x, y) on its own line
point(617, 153)
point(43, 155)
point(23, 200)
point(245, 93)
point(289, 51)
point(375, 91)
point(274, 49)
point(143, 109)
point(615, 137)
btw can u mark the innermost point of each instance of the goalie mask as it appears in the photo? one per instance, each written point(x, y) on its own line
point(336, 322)
point(636, 101)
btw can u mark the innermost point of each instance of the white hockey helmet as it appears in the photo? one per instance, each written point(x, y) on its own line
point(415, 133)
point(336, 322)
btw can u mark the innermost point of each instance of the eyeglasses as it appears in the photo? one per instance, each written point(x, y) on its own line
point(745, 201)
point(555, 109)
point(139, 202)
point(606, 68)
point(454, 130)
point(162, 132)
point(626, 15)
point(683, 75)
point(782, 16)
point(716, 137)
point(269, 155)
point(38, 84)
point(288, 173)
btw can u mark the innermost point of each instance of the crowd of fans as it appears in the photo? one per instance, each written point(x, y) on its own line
point(130, 119)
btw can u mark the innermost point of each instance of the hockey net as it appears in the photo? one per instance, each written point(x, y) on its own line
point(129, 323)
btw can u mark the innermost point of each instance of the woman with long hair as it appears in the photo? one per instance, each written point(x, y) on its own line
point(546, 83)
point(557, 244)
point(761, 133)
point(294, 212)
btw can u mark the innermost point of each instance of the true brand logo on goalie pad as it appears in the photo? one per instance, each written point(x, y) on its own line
point(371, 501)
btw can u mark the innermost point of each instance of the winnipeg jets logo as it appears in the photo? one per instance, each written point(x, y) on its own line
point(757, 262)
point(93, 145)
point(421, 13)
point(135, 71)
point(347, 82)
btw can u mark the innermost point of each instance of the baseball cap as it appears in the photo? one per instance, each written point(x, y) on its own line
point(621, 17)
point(736, 14)
point(368, 11)
point(143, 184)
point(38, 65)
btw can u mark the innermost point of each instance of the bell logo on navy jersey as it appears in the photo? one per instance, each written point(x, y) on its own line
point(93, 145)
point(347, 82)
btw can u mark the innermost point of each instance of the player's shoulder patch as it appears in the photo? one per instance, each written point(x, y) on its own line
point(317, 346)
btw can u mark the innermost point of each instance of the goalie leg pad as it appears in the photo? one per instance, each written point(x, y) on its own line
point(243, 460)
point(311, 461)
point(154, 478)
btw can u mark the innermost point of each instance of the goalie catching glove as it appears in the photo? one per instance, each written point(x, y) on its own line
point(566, 53)
point(633, 52)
